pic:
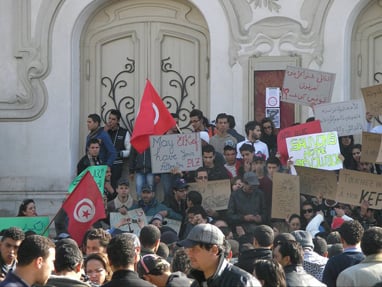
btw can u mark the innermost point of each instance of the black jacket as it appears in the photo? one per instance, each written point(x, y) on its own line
point(129, 278)
point(297, 276)
point(140, 162)
point(178, 279)
point(226, 275)
point(246, 260)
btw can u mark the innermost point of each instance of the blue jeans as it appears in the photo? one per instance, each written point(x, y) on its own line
point(141, 179)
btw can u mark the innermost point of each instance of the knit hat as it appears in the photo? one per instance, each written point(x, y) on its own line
point(152, 264)
point(251, 178)
point(304, 238)
point(203, 233)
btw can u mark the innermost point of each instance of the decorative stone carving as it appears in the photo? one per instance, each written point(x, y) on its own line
point(268, 34)
point(28, 101)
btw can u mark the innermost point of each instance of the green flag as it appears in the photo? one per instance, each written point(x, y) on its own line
point(27, 223)
point(97, 171)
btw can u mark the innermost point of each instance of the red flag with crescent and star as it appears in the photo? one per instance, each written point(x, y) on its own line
point(84, 206)
point(153, 119)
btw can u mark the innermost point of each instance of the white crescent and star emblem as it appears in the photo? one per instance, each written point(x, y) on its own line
point(155, 108)
point(84, 210)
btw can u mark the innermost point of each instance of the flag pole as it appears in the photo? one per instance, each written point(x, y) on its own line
point(178, 128)
point(50, 223)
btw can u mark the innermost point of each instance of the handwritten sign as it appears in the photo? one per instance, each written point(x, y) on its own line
point(307, 87)
point(98, 172)
point(347, 118)
point(134, 215)
point(27, 223)
point(293, 131)
point(285, 195)
point(215, 193)
point(373, 99)
point(356, 186)
point(183, 151)
point(316, 182)
point(371, 148)
point(315, 150)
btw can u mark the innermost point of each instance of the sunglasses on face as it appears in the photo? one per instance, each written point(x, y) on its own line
point(310, 210)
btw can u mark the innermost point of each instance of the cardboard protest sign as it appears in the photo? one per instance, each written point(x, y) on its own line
point(373, 99)
point(297, 130)
point(371, 147)
point(315, 150)
point(316, 182)
point(356, 186)
point(285, 195)
point(134, 215)
point(27, 223)
point(347, 118)
point(183, 151)
point(98, 172)
point(307, 87)
point(215, 193)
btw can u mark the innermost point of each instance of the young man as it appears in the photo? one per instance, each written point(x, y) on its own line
point(96, 241)
point(92, 156)
point(150, 239)
point(124, 201)
point(67, 266)
point(123, 253)
point(107, 151)
point(247, 154)
point(231, 163)
point(35, 259)
point(215, 170)
point(290, 255)
point(253, 132)
point(120, 138)
point(246, 207)
point(205, 248)
point(177, 201)
point(10, 243)
point(222, 137)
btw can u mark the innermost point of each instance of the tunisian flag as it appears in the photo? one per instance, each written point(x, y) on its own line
point(84, 206)
point(153, 119)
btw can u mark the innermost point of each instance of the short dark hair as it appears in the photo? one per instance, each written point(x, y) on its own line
point(371, 242)
point(292, 249)
point(264, 235)
point(320, 245)
point(231, 121)
point(95, 118)
point(196, 113)
point(121, 250)
point(68, 256)
point(93, 141)
point(13, 233)
point(195, 197)
point(269, 271)
point(32, 247)
point(273, 160)
point(181, 261)
point(249, 126)
point(98, 234)
point(198, 209)
point(116, 113)
point(221, 116)
point(351, 232)
point(208, 148)
point(229, 147)
point(149, 235)
point(246, 147)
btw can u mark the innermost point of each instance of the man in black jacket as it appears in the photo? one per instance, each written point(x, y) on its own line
point(262, 241)
point(123, 253)
point(290, 255)
point(205, 248)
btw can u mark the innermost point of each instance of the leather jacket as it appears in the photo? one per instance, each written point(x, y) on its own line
point(297, 276)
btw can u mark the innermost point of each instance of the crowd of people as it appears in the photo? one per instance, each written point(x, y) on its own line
point(328, 244)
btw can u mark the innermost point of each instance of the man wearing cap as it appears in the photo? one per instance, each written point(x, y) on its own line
point(151, 205)
point(246, 207)
point(123, 202)
point(313, 263)
point(178, 198)
point(205, 249)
